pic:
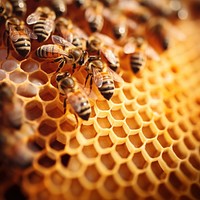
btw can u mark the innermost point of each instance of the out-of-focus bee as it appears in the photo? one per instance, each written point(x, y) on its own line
point(69, 87)
point(6, 9)
point(19, 35)
point(102, 76)
point(81, 3)
point(109, 3)
point(74, 55)
point(19, 7)
point(98, 43)
point(93, 15)
point(59, 6)
point(43, 22)
point(139, 51)
point(10, 107)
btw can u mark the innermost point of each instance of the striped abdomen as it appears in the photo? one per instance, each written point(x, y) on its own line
point(49, 51)
point(137, 61)
point(108, 87)
point(23, 45)
point(39, 29)
point(80, 104)
point(96, 23)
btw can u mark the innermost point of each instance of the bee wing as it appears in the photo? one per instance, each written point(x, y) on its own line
point(151, 53)
point(61, 41)
point(87, 92)
point(129, 48)
point(14, 34)
point(115, 76)
point(49, 25)
point(33, 18)
point(80, 33)
point(30, 33)
point(110, 56)
point(89, 14)
point(75, 103)
point(106, 39)
point(98, 78)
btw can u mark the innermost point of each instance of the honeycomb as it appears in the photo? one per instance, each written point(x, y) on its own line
point(144, 143)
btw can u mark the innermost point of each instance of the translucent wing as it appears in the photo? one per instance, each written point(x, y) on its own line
point(110, 56)
point(115, 76)
point(88, 92)
point(33, 18)
point(129, 48)
point(80, 32)
point(61, 41)
point(98, 78)
point(75, 102)
point(106, 39)
point(90, 14)
point(49, 25)
point(14, 34)
point(151, 53)
point(30, 33)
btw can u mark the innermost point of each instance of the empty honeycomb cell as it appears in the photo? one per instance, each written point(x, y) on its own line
point(160, 123)
point(130, 106)
point(164, 191)
point(34, 176)
point(150, 131)
point(57, 179)
point(167, 157)
point(76, 188)
point(139, 160)
point(38, 78)
point(142, 100)
point(46, 160)
point(180, 151)
point(48, 67)
point(164, 140)
point(94, 194)
point(29, 65)
point(110, 184)
point(195, 191)
point(183, 126)
point(89, 151)
point(74, 144)
point(33, 146)
point(134, 122)
point(47, 127)
point(17, 76)
point(116, 99)
point(27, 90)
point(33, 110)
point(47, 93)
point(108, 161)
point(144, 183)
point(88, 132)
point(125, 173)
point(122, 151)
point(9, 65)
point(103, 122)
point(174, 133)
point(158, 171)
point(117, 114)
point(196, 135)
point(145, 114)
point(105, 142)
point(55, 144)
point(170, 116)
point(2, 74)
point(119, 131)
point(128, 93)
point(67, 125)
point(54, 110)
point(152, 150)
point(92, 174)
point(135, 140)
point(195, 161)
point(65, 158)
point(130, 193)
point(102, 105)
point(176, 182)
point(187, 170)
point(189, 143)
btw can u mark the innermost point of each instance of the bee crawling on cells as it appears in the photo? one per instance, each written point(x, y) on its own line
point(43, 20)
point(102, 76)
point(139, 50)
point(74, 95)
point(19, 35)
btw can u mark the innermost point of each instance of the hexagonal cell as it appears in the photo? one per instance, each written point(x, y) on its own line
point(117, 114)
point(104, 122)
point(149, 131)
point(54, 110)
point(33, 110)
point(187, 171)
point(128, 94)
point(34, 177)
point(194, 161)
point(27, 90)
point(133, 122)
point(158, 171)
point(105, 142)
point(195, 190)
point(160, 123)
point(119, 131)
point(46, 127)
point(34, 146)
point(17, 76)
point(116, 99)
point(130, 193)
point(179, 150)
point(142, 100)
point(92, 174)
point(47, 93)
point(135, 140)
point(55, 144)
point(139, 160)
point(110, 184)
point(46, 161)
point(29, 65)
point(189, 143)
point(89, 151)
point(164, 140)
point(151, 149)
point(173, 133)
point(164, 191)
point(38, 78)
point(88, 131)
point(2, 74)
point(9, 65)
point(73, 143)
point(57, 178)
point(196, 135)
point(166, 157)
point(176, 182)
point(74, 164)
point(122, 150)
point(102, 105)
point(170, 116)
point(49, 67)
point(125, 172)
point(65, 158)
point(183, 126)
point(145, 114)
point(108, 161)
point(144, 183)
point(76, 188)
point(67, 125)
point(94, 194)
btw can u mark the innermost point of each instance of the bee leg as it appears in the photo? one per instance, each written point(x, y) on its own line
point(65, 105)
point(90, 84)
point(73, 68)
point(76, 120)
point(7, 43)
point(86, 79)
point(62, 63)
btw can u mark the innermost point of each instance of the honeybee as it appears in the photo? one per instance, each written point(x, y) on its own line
point(93, 15)
point(109, 3)
point(10, 107)
point(81, 3)
point(139, 51)
point(98, 43)
point(59, 6)
point(69, 87)
point(102, 76)
point(6, 9)
point(43, 22)
point(19, 35)
point(19, 7)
